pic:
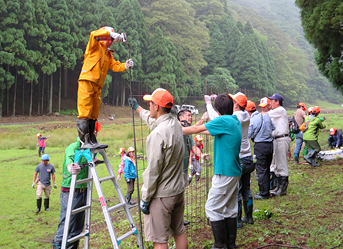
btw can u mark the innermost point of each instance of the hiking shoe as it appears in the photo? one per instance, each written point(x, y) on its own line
point(258, 196)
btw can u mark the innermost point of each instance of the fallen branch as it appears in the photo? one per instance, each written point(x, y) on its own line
point(278, 245)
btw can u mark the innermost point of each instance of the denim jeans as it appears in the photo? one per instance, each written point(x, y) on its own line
point(299, 142)
point(77, 220)
point(244, 183)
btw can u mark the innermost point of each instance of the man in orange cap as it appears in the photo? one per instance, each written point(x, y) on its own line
point(260, 131)
point(335, 138)
point(163, 188)
point(299, 117)
point(98, 59)
point(281, 144)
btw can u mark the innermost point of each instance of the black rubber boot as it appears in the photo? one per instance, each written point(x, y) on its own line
point(93, 137)
point(313, 160)
point(39, 153)
point(283, 184)
point(239, 215)
point(277, 180)
point(220, 233)
point(56, 245)
point(39, 205)
point(248, 209)
point(273, 181)
point(128, 200)
point(73, 245)
point(46, 204)
point(231, 227)
point(83, 129)
point(296, 160)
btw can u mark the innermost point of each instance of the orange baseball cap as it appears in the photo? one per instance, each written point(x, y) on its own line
point(240, 98)
point(160, 97)
point(303, 105)
point(332, 131)
point(250, 106)
point(264, 102)
point(198, 138)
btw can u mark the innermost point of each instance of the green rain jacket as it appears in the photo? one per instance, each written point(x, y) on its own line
point(68, 159)
point(312, 132)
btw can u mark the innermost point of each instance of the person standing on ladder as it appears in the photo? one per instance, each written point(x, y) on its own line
point(163, 198)
point(130, 174)
point(98, 59)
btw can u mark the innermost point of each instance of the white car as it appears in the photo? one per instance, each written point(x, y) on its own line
point(192, 108)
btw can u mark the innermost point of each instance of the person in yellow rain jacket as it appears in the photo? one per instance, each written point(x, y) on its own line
point(98, 59)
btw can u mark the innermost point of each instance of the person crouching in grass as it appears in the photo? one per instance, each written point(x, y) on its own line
point(222, 206)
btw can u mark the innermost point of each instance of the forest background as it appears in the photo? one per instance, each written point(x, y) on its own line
point(190, 47)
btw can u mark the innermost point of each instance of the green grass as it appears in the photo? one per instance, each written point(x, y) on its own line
point(309, 216)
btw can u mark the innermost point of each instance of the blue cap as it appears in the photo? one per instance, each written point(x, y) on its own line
point(45, 157)
point(276, 96)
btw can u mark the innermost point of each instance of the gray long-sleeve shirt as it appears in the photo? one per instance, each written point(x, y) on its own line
point(165, 149)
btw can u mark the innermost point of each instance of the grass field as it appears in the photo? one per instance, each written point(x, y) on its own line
point(309, 216)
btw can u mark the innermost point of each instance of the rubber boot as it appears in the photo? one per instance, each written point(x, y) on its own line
point(56, 245)
point(46, 204)
point(83, 129)
point(273, 181)
point(93, 137)
point(290, 156)
point(313, 160)
point(283, 184)
point(309, 156)
point(296, 159)
point(73, 245)
point(39, 205)
point(220, 233)
point(231, 227)
point(128, 200)
point(248, 209)
point(39, 153)
point(277, 180)
point(239, 215)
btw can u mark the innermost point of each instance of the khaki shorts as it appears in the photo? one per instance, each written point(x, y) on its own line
point(40, 188)
point(165, 218)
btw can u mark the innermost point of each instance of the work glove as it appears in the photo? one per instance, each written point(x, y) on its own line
point(33, 185)
point(190, 167)
point(205, 117)
point(213, 97)
point(133, 103)
point(206, 156)
point(55, 186)
point(73, 168)
point(207, 99)
point(129, 64)
point(118, 177)
point(145, 206)
point(48, 136)
point(116, 37)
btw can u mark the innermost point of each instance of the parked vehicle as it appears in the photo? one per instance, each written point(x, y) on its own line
point(192, 108)
point(175, 109)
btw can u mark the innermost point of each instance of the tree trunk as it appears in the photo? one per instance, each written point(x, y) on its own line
point(43, 94)
point(60, 91)
point(51, 90)
point(8, 96)
point(65, 95)
point(39, 94)
point(1, 99)
point(31, 93)
point(23, 104)
point(112, 91)
point(123, 96)
point(15, 94)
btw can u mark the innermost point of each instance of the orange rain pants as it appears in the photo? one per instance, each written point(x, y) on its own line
point(88, 100)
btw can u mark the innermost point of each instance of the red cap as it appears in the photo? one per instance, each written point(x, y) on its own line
point(303, 105)
point(97, 126)
point(250, 106)
point(332, 131)
point(240, 99)
point(160, 97)
point(264, 102)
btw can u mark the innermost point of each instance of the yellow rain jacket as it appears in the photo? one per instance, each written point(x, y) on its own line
point(98, 59)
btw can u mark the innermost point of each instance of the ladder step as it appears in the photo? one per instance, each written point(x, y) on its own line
point(115, 207)
point(106, 178)
point(132, 232)
point(77, 237)
point(84, 181)
point(80, 209)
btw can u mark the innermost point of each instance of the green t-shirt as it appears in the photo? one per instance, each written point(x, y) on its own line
point(227, 132)
point(189, 143)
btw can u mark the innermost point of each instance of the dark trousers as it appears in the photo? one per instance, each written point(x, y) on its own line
point(130, 187)
point(264, 156)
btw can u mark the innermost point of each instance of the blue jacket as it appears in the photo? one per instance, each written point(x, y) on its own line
point(336, 139)
point(130, 168)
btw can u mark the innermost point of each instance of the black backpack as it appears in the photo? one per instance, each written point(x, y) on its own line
point(295, 126)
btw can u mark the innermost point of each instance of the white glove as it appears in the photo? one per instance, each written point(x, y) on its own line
point(55, 186)
point(190, 167)
point(129, 64)
point(116, 37)
point(213, 96)
point(73, 168)
point(207, 99)
point(205, 156)
point(206, 117)
point(33, 185)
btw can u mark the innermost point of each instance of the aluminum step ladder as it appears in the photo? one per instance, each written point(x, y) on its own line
point(93, 177)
